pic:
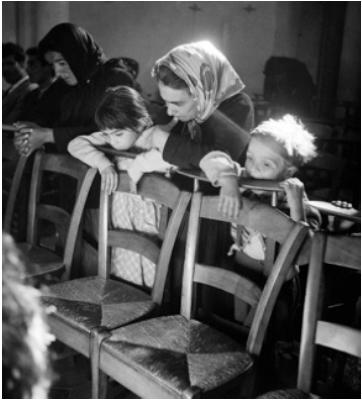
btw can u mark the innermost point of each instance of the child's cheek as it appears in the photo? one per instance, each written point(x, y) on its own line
point(117, 143)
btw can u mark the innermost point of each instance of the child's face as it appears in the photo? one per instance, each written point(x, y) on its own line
point(121, 139)
point(265, 159)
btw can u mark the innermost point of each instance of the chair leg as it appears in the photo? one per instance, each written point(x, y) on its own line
point(99, 379)
point(102, 385)
point(248, 386)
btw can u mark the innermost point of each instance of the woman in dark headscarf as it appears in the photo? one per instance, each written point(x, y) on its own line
point(81, 63)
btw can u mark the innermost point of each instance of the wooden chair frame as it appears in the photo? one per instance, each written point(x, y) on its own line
point(326, 250)
point(14, 190)
point(294, 234)
point(88, 340)
point(61, 164)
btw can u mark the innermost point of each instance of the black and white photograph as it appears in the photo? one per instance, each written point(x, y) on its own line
point(181, 199)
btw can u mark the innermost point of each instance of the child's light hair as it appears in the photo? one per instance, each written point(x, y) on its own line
point(292, 135)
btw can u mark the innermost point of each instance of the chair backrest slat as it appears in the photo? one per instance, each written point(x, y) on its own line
point(228, 281)
point(346, 256)
point(161, 190)
point(254, 215)
point(53, 213)
point(339, 337)
point(326, 250)
point(134, 241)
point(64, 164)
point(153, 186)
point(260, 217)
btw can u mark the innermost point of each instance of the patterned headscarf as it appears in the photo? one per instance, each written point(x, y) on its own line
point(207, 73)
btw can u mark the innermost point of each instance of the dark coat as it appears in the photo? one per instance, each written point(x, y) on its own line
point(227, 129)
point(13, 102)
point(94, 74)
point(43, 108)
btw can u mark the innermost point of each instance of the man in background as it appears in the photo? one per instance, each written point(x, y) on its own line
point(15, 75)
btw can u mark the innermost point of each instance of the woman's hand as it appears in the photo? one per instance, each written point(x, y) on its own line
point(30, 137)
point(109, 181)
point(229, 198)
point(294, 190)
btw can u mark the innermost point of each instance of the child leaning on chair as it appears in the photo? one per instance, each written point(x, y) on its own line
point(124, 122)
point(276, 149)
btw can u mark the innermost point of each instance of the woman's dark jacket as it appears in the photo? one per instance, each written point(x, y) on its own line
point(227, 129)
point(94, 74)
point(43, 108)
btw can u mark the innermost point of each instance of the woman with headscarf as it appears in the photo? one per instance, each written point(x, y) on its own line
point(210, 110)
point(81, 63)
point(204, 95)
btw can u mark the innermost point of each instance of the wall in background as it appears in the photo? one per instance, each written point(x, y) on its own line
point(248, 33)
point(147, 30)
point(349, 85)
point(8, 21)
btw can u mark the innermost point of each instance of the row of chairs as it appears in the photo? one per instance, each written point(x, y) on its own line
point(123, 330)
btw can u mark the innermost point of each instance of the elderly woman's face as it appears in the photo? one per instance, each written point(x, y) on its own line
point(179, 102)
point(61, 67)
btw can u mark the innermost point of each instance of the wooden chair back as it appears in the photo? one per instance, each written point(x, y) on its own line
point(66, 223)
point(14, 191)
point(158, 250)
point(271, 223)
point(326, 250)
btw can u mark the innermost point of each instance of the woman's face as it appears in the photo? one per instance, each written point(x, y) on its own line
point(61, 67)
point(179, 102)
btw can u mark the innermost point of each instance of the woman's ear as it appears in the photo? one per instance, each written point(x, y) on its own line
point(291, 171)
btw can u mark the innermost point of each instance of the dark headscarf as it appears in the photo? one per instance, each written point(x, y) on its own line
point(78, 48)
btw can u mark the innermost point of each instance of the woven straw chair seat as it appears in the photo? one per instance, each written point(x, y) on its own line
point(178, 353)
point(91, 302)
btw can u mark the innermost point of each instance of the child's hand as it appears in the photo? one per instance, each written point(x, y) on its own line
point(109, 179)
point(229, 198)
point(294, 189)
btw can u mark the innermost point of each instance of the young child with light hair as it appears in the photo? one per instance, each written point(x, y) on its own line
point(124, 123)
point(277, 148)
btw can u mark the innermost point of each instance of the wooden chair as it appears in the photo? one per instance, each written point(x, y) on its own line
point(179, 357)
point(12, 194)
point(87, 308)
point(327, 250)
point(45, 260)
point(10, 160)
